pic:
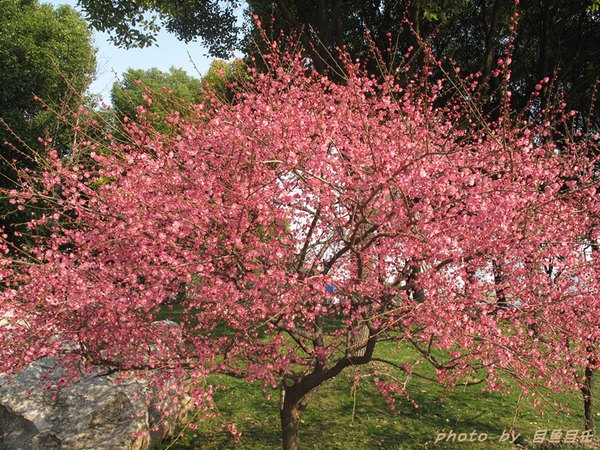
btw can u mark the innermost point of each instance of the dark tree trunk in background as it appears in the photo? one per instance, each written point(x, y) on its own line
point(586, 390)
point(491, 25)
point(498, 282)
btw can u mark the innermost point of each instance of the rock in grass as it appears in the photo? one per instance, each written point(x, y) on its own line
point(96, 413)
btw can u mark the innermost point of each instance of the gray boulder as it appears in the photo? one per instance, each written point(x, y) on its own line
point(96, 412)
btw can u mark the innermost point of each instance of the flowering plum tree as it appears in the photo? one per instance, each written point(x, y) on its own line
point(304, 224)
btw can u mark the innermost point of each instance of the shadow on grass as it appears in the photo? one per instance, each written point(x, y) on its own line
point(369, 423)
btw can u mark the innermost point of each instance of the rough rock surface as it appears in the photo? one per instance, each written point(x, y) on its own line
point(93, 413)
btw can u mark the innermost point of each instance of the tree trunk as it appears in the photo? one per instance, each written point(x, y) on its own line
point(291, 408)
point(586, 390)
point(491, 37)
point(501, 301)
point(296, 396)
point(290, 417)
point(588, 380)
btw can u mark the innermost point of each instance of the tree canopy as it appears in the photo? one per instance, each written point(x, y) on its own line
point(47, 62)
point(159, 93)
point(134, 23)
point(45, 53)
point(553, 38)
point(160, 96)
point(465, 240)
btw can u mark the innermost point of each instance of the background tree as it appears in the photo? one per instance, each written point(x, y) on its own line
point(134, 23)
point(155, 94)
point(44, 52)
point(257, 207)
point(554, 38)
point(158, 95)
point(223, 79)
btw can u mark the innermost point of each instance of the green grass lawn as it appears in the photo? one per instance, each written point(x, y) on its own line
point(337, 419)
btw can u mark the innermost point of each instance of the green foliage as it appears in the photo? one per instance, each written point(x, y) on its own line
point(135, 23)
point(436, 10)
point(160, 93)
point(554, 38)
point(44, 52)
point(323, 27)
point(220, 77)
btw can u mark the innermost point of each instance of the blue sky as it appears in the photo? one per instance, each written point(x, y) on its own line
point(113, 61)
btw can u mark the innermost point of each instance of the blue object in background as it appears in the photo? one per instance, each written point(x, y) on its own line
point(330, 288)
